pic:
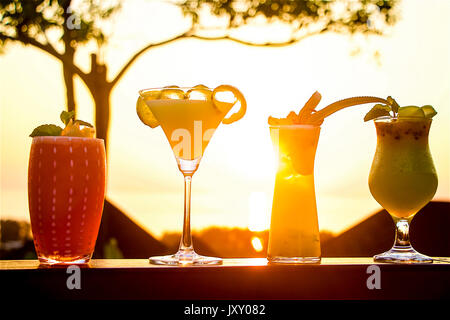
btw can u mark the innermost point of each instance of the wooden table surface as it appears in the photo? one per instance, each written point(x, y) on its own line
point(242, 279)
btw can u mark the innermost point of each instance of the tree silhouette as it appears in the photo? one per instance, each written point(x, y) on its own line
point(59, 29)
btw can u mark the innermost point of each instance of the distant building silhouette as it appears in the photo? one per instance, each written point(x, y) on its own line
point(429, 234)
point(172, 241)
point(132, 240)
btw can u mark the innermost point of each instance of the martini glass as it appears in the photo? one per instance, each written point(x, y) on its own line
point(402, 179)
point(188, 116)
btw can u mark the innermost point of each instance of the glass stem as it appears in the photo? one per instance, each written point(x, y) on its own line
point(402, 233)
point(186, 237)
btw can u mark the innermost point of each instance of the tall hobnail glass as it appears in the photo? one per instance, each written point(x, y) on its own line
point(66, 190)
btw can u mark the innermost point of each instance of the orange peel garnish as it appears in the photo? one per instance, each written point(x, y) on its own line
point(308, 115)
point(226, 106)
point(73, 130)
point(309, 107)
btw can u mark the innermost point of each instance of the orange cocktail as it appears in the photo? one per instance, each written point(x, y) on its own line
point(294, 227)
point(66, 188)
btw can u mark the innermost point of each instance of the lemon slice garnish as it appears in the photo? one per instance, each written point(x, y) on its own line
point(226, 106)
point(199, 92)
point(144, 112)
point(172, 92)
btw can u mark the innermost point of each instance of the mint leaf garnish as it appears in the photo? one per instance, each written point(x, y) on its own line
point(65, 116)
point(379, 110)
point(47, 130)
point(394, 105)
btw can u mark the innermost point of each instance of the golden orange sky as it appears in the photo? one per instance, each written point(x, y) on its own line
point(234, 183)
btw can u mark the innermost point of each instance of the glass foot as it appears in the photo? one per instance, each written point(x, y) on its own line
point(60, 260)
point(182, 258)
point(402, 255)
point(294, 260)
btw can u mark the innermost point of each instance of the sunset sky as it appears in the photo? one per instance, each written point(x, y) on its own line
point(234, 184)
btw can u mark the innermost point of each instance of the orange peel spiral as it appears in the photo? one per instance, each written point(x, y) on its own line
point(226, 106)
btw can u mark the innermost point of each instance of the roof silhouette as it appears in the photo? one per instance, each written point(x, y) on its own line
point(429, 234)
point(133, 241)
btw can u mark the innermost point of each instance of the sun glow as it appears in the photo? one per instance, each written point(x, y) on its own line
point(257, 244)
point(258, 219)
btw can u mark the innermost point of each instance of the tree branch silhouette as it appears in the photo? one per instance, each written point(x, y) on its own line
point(44, 47)
point(142, 51)
point(191, 34)
point(256, 44)
point(48, 48)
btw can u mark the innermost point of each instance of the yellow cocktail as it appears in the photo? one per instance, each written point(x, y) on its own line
point(188, 117)
point(294, 228)
point(187, 124)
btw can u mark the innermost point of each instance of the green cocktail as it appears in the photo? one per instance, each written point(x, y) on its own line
point(403, 178)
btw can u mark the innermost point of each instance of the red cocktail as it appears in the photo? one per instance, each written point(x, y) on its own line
point(66, 188)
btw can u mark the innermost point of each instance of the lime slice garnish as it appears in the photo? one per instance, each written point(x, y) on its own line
point(144, 112)
point(226, 106)
point(411, 112)
point(429, 111)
